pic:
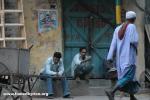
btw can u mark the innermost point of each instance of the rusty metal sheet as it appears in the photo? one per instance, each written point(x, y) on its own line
point(17, 60)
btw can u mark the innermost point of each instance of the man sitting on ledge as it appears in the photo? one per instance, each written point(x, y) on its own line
point(81, 66)
point(54, 67)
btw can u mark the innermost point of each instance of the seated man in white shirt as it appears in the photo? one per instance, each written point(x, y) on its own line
point(81, 67)
point(54, 67)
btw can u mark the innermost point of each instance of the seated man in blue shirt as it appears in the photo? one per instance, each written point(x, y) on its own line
point(54, 67)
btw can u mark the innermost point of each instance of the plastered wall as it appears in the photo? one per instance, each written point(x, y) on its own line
point(45, 43)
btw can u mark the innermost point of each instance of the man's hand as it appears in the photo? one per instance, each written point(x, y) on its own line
point(57, 74)
point(110, 61)
point(87, 59)
point(108, 64)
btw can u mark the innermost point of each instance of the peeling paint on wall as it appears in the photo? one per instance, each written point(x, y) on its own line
point(45, 43)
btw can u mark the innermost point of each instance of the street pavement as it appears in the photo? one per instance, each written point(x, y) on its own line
point(145, 96)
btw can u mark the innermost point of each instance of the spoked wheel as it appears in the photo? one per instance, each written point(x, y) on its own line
point(5, 83)
point(4, 78)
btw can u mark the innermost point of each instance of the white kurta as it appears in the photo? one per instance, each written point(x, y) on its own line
point(76, 61)
point(124, 52)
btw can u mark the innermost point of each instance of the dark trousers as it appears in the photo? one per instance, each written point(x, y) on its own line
point(82, 71)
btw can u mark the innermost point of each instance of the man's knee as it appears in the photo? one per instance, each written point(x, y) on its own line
point(89, 69)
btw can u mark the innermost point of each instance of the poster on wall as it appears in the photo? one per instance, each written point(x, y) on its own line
point(47, 20)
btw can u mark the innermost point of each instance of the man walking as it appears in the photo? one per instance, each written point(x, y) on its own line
point(124, 47)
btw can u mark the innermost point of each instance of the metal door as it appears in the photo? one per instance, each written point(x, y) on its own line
point(88, 23)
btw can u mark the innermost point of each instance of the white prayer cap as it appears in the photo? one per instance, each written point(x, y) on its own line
point(130, 15)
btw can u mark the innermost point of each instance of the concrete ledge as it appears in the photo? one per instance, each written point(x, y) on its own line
point(94, 87)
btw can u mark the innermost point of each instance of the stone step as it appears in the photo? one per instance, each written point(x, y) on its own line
point(94, 87)
point(99, 82)
point(82, 88)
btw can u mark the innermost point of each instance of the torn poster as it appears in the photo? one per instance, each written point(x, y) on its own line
point(47, 20)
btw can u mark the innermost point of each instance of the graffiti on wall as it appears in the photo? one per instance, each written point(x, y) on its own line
point(47, 20)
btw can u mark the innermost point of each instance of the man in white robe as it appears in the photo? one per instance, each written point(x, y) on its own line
point(124, 47)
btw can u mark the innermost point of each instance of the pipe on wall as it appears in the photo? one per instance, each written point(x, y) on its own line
point(118, 11)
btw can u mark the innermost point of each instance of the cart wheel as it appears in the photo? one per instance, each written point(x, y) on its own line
point(4, 78)
point(0, 90)
point(5, 86)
